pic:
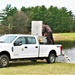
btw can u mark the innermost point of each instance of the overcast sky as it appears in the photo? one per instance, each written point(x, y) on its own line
point(69, 4)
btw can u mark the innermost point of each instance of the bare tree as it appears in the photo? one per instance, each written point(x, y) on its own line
point(20, 22)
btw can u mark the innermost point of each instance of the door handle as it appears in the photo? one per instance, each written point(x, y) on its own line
point(26, 47)
point(36, 46)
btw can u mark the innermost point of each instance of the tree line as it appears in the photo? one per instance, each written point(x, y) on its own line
point(19, 21)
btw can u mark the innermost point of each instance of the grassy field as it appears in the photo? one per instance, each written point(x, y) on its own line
point(66, 39)
point(38, 68)
point(64, 36)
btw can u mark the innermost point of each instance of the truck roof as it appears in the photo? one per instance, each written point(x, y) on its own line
point(18, 35)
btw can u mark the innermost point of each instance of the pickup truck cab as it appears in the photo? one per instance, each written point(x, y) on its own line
point(19, 46)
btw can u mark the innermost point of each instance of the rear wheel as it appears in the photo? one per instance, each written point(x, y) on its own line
point(4, 60)
point(51, 58)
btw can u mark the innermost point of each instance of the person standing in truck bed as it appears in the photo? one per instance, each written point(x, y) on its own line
point(46, 31)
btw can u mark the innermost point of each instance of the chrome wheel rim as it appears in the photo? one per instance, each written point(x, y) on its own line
point(4, 61)
point(52, 59)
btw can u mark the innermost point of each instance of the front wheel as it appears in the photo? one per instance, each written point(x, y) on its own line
point(4, 60)
point(51, 58)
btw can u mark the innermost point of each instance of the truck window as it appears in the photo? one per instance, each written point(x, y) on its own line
point(21, 39)
point(31, 40)
point(7, 39)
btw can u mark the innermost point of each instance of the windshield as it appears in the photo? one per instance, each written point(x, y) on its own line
point(7, 38)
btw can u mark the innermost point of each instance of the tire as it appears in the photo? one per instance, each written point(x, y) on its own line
point(51, 58)
point(4, 60)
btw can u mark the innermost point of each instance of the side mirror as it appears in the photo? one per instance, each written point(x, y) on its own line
point(17, 43)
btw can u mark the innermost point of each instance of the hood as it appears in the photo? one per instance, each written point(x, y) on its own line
point(5, 45)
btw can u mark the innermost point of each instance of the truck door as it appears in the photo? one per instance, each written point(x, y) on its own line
point(31, 48)
point(26, 48)
point(19, 46)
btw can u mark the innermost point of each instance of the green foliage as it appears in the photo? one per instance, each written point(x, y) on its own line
point(9, 11)
point(60, 20)
point(38, 13)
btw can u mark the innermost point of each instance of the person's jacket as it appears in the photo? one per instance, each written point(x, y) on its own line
point(46, 28)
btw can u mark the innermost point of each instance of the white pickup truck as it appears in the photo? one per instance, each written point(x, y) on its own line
point(18, 46)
